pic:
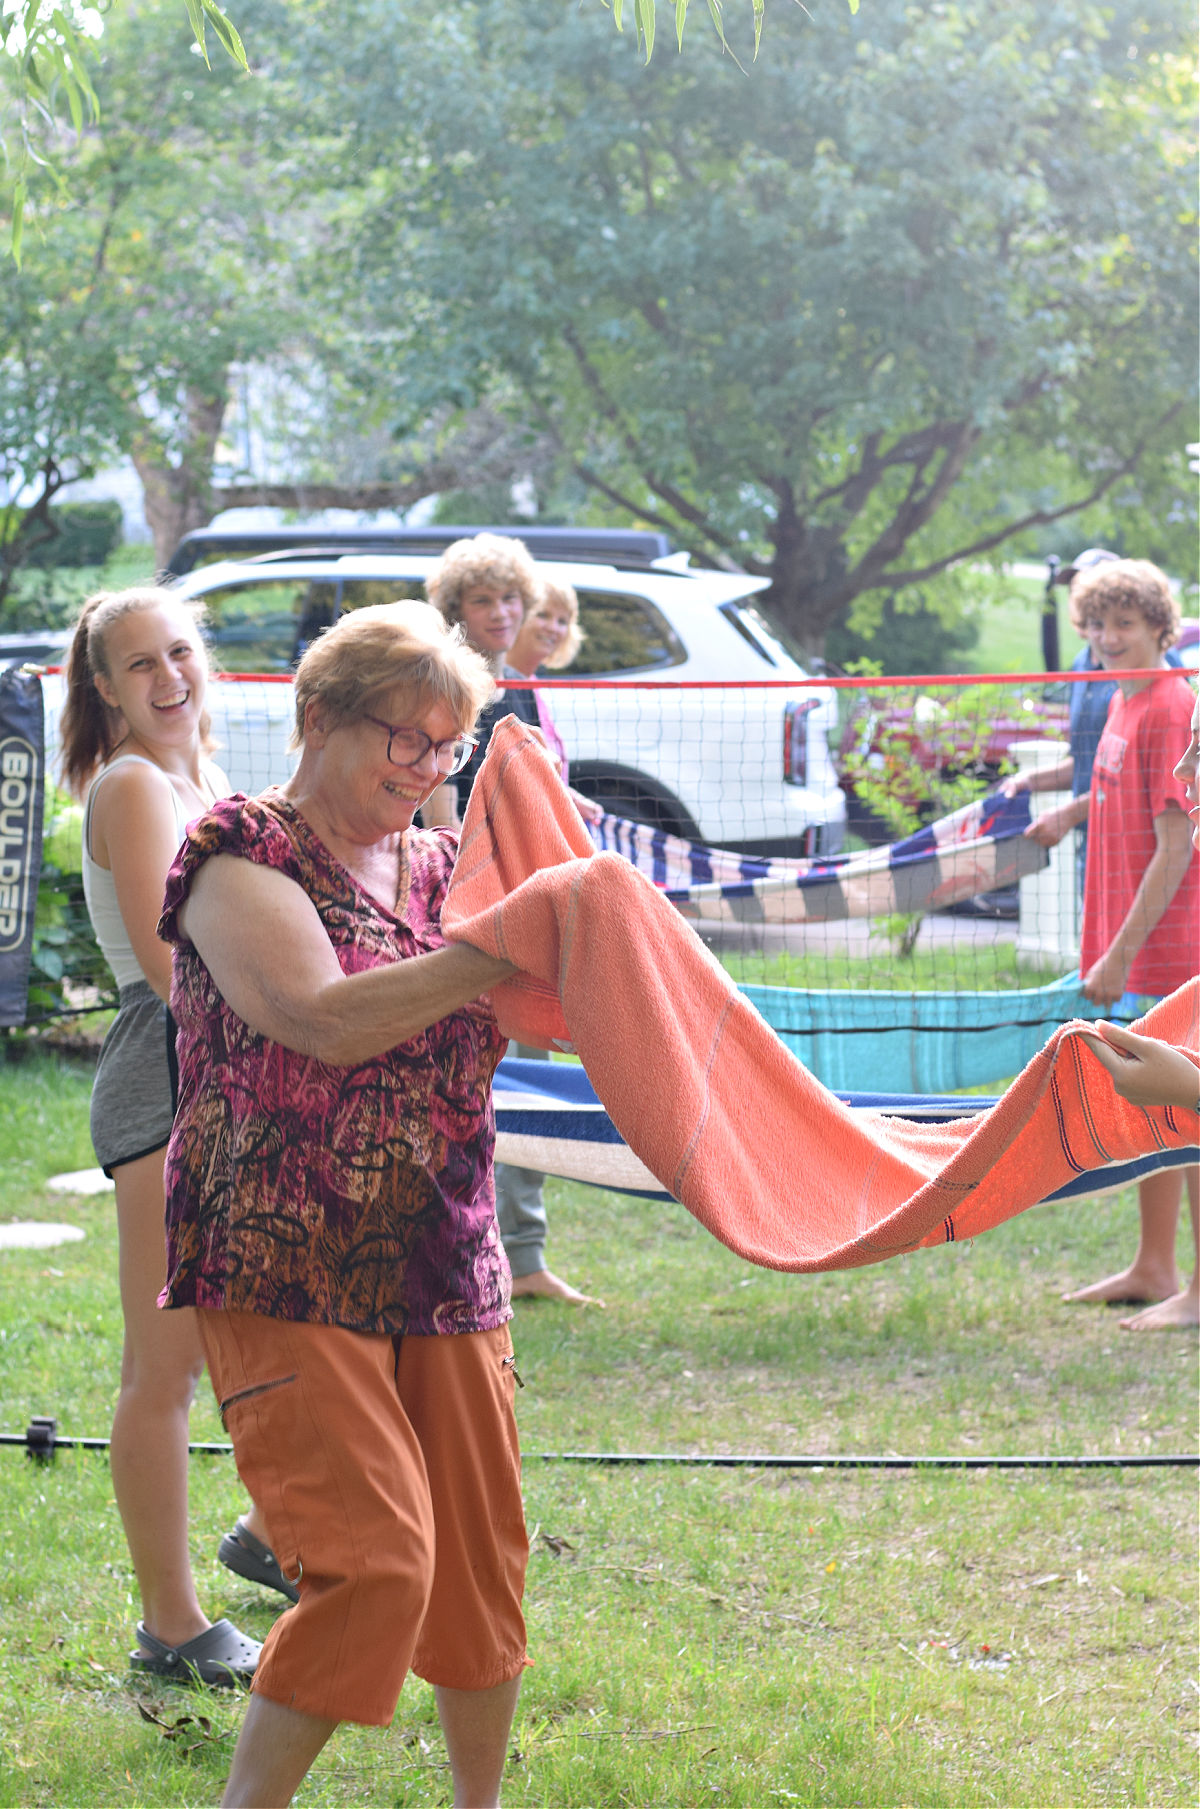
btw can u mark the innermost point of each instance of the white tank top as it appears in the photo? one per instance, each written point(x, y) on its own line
point(100, 891)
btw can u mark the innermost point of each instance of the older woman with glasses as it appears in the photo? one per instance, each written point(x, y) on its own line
point(330, 1210)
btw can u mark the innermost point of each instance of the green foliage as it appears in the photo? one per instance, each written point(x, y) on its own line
point(152, 273)
point(83, 534)
point(67, 971)
point(60, 412)
point(910, 766)
point(41, 599)
point(203, 13)
point(51, 48)
point(45, 53)
point(476, 507)
point(904, 638)
point(44, 57)
point(915, 286)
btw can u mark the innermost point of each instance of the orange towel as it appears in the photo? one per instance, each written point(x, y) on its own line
point(706, 1094)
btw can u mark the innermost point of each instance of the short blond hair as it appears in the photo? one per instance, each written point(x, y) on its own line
point(492, 559)
point(561, 596)
point(1126, 584)
point(387, 647)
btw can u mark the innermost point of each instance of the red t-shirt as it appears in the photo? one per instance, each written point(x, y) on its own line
point(1143, 738)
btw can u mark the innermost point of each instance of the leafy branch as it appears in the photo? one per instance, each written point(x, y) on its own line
point(47, 48)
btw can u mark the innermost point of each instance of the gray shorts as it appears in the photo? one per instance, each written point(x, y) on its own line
point(137, 1082)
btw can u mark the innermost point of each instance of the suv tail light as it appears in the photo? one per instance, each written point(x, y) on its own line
point(795, 740)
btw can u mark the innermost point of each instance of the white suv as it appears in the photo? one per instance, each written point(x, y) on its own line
point(741, 768)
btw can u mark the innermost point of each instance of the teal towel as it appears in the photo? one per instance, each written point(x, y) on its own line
point(917, 1042)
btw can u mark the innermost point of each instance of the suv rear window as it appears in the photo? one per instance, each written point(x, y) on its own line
point(265, 624)
point(768, 637)
point(623, 634)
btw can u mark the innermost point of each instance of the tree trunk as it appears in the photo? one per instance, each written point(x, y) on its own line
point(808, 572)
point(181, 497)
point(178, 497)
point(22, 531)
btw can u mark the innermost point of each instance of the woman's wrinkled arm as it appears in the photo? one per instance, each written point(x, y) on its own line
point(259, 935)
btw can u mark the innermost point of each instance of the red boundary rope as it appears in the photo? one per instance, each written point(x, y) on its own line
point(765, 684)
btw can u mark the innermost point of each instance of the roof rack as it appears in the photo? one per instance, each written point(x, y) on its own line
point(628, 547)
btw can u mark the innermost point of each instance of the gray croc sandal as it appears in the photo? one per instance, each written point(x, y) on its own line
point(241, 1552)
point(220, 1655)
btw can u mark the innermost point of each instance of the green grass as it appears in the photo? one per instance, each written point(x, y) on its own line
point(749, 1638)
point(1010, 628)
point(994, 967)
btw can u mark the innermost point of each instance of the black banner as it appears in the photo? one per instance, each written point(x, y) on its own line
point(22, 773)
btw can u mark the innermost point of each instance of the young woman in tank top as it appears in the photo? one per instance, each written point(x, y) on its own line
point(135, 743)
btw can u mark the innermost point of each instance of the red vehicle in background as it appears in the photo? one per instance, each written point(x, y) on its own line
point(948, 734)
point(925, 755)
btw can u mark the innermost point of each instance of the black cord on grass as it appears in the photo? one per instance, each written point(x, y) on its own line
point(774, 1461)
point(41, 1441)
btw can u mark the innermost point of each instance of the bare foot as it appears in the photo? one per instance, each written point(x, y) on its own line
point(1133, 1287)
point(1176, 1314)
point(543, 1284)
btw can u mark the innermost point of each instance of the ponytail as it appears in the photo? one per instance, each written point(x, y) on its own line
point(88, 729)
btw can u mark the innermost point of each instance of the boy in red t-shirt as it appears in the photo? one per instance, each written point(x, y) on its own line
point(1141, 901)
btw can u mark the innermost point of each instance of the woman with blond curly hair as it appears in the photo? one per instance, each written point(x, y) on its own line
point(549, 639)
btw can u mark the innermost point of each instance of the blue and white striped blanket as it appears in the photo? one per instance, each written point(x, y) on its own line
point(976, 849)
point(549, 1118)
point(866, 1040)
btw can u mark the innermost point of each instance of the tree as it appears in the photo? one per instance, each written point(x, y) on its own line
point(47, 48)
point(920, 284)
point(58, 419)
point(149, 274)
point(199, 242)
point(187, 246)
point(46, 51)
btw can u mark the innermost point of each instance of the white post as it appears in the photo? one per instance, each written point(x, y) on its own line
point(1048, 926)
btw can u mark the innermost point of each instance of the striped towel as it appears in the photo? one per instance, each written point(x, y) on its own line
point(702, 1090)
point(548, 1118)
point(979, 848)
point(917, 1042)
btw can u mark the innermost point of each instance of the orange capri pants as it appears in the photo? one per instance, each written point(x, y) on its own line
point(388, 1472)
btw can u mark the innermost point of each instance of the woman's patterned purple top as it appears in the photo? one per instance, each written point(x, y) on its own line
point(355, 1196)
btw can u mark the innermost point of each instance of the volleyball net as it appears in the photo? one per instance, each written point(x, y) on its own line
point(848, 848)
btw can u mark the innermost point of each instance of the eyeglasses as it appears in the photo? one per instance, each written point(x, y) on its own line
point(407, 746)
